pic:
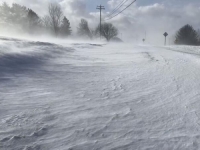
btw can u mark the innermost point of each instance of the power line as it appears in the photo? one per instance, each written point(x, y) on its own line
point(121, 11)
point(100, 8)
point(118, 7)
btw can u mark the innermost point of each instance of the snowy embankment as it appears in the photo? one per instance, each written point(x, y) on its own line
point(106, 97)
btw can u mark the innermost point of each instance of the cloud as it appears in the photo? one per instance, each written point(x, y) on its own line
point(155, 19)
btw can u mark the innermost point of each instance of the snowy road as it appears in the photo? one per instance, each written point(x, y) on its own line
point(98, 97)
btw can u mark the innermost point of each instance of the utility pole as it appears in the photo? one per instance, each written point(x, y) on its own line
point(100, 8)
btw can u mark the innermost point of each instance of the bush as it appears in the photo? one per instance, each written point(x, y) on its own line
point(108, 31)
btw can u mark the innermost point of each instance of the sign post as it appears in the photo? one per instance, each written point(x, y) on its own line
point(165, 34)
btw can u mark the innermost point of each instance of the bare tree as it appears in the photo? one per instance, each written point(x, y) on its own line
point(108, 31)
point(46, 21)
point(83, 29)
point(55, 17)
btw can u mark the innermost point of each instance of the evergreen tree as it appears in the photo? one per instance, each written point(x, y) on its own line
point(33, 20)
point(198, 33)
point(187, 36)
point(19, 14)
point(13, 16)
point(5, 13)
point(65, 27)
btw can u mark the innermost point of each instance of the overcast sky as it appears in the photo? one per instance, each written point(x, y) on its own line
point(151, 16)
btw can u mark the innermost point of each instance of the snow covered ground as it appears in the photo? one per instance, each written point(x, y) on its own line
point(81, 96)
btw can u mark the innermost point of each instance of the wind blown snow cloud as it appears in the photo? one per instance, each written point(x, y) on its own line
point(154, 19)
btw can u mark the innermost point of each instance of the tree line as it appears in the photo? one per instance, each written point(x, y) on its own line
point(54, 23)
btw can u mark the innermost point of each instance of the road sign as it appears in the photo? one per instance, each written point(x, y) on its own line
point(165, 34)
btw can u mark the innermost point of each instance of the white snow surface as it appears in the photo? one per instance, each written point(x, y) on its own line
point(81, 96)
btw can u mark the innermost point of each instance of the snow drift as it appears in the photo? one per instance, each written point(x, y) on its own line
point(81, 96)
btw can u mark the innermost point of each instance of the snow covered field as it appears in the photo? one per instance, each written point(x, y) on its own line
point(79, 96)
